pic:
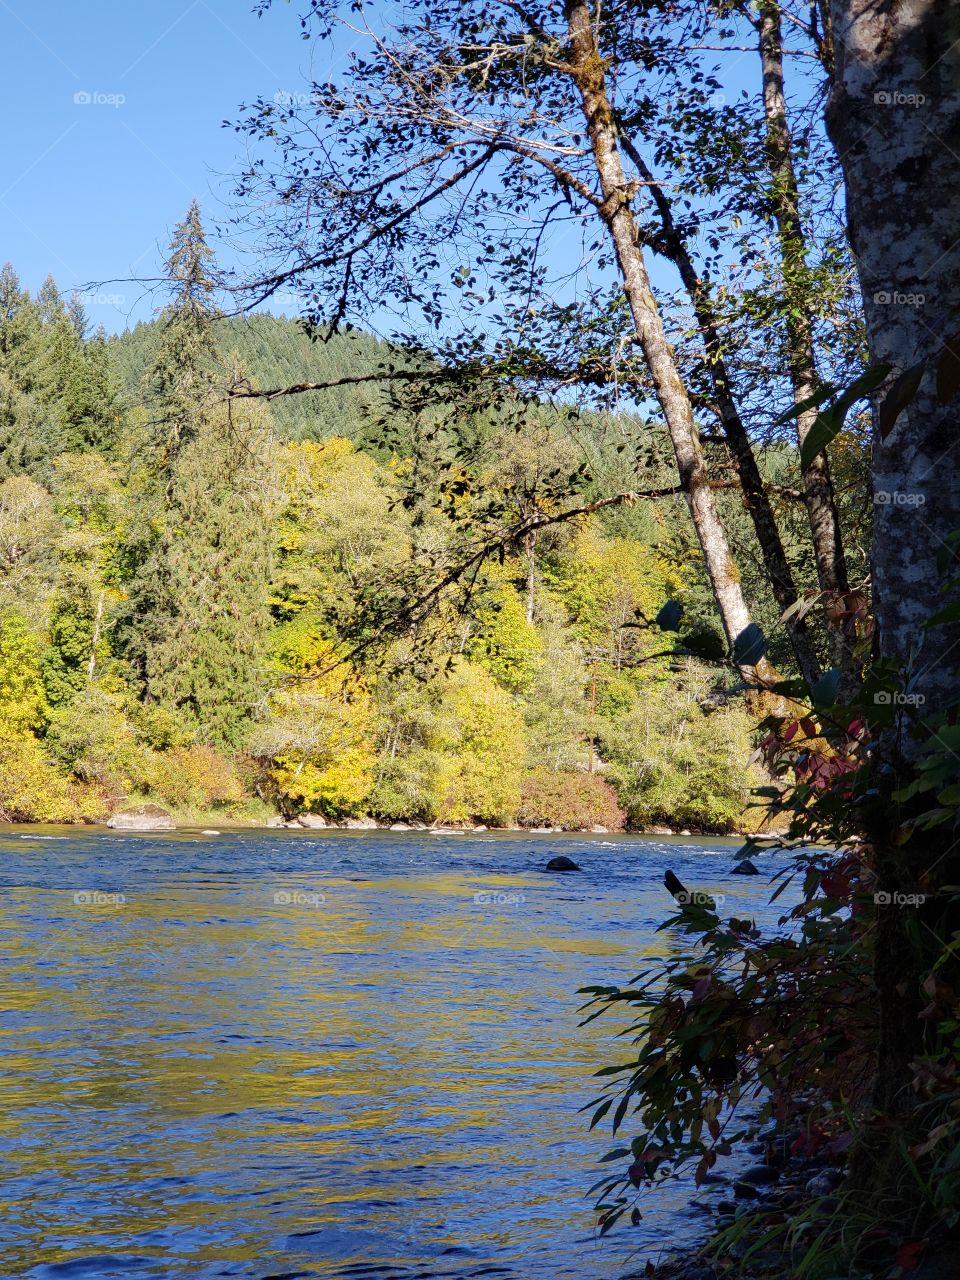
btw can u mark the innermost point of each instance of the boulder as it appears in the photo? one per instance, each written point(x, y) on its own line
point(760, 1175)
point(358, 824)
point(312, 821)
point(600, 831)
point(561, 863)
point(277, 820)
point(145, 817)
point(659, 831)
point(745, 868)
point(745, 1190)
point(399, 826)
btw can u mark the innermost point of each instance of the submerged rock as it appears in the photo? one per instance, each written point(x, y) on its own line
point(745, 868)
point(561, 863)
point(145, 817)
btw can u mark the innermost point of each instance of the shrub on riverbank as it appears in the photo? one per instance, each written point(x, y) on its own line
point(573, 801)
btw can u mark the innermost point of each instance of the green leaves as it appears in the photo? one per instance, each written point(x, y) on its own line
point(901, 391)
point(829, 422)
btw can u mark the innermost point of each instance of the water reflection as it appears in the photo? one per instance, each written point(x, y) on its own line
point(265, 1054)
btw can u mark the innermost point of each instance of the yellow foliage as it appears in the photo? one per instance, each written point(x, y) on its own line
point(507, 644)
point(31, 790)
point(487, 749)
point(319, 733)
point(195, 777)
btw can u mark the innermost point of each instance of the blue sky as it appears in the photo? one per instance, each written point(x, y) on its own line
point(90, 189)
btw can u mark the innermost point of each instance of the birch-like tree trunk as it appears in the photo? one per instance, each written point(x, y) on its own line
point(894, 117)
point(784, 194)
point(588, 72)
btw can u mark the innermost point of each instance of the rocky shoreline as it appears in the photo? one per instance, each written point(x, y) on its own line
point(152, 817)
point(786, 1179)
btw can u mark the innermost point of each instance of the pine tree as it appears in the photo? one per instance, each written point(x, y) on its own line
point(208, 664)
point(27, 433)
point(177, 388)
point(182, 378)
point(198, 613)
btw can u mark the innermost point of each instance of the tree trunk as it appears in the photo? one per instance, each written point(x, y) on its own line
point(818, 493)
point(751, 482)
point(894, 117)
point(95, 641)
point(587, 70)
point(530, 547)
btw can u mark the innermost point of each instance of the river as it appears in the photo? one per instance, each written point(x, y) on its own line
point(269, 1054)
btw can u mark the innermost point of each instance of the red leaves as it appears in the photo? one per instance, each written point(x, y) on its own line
point(701, 987)
point(809, 1143)
point(835, 885)
point(909, 1254)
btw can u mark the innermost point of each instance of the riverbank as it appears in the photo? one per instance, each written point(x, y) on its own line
point(260, 817)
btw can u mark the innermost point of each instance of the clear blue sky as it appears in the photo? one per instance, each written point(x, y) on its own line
point(89, 190)
point(113, 113)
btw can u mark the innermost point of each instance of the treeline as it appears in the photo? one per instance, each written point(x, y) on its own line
point(187, 583)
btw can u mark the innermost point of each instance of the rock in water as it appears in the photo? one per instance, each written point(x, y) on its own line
point(745, 868)
point(314, 821)
point(561, 863)
point(146, 817)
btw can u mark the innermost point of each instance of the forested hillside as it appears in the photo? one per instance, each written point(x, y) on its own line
point(185, 579)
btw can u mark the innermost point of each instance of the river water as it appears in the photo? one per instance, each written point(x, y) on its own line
point(298, 1054)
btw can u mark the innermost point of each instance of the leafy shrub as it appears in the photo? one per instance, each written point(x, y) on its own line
point(31, 789)
point(412, 785)
point(574, 801)
point(674, 758)
point(196, 777)
point(94, 740)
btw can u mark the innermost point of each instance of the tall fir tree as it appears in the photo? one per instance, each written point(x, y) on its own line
point(182, 380)
point(28, 438)
point(209, 664)
point(197, 616)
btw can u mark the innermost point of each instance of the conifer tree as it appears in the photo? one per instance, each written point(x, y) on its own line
point(181, 382)
point(198, 599)
point(27, 435)
point(208, 666)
